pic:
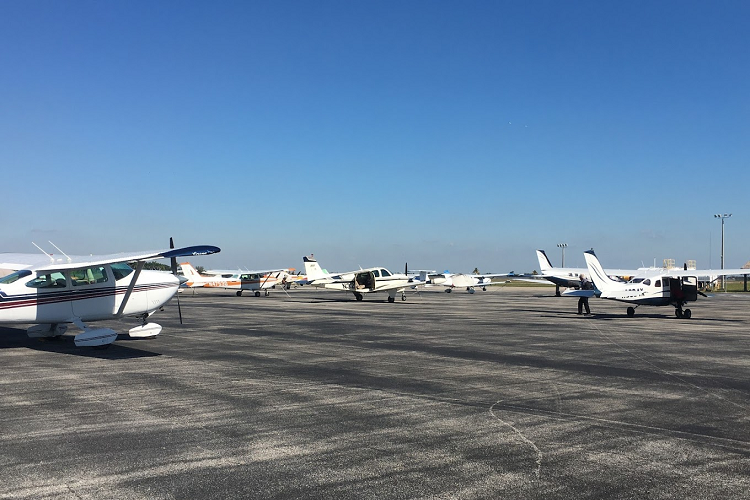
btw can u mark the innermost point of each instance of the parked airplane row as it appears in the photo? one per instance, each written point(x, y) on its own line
point(54, 293)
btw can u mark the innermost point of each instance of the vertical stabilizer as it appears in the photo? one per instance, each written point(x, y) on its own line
point(544, 263)
point(312, 268)
point(188, 270)
point(602, 282)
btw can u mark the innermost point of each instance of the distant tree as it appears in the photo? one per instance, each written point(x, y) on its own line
point(200, 269)
point(535, 273)
point(476, 270)
point(156, 266)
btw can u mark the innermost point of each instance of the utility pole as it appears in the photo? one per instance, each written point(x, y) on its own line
point(722, 217)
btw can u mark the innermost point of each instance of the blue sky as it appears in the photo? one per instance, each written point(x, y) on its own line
point(451, 135)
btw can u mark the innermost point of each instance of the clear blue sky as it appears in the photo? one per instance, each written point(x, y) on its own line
point(451, 135)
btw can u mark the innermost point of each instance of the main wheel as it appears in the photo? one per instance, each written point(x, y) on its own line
point(358, 296)
point(391, 299)
point(403, 297)
point(678, 312)
point(239, 293)
point(257, 293)
point(687, 314)
point(268, 293)
point(448, 290)
point(470, 290)
point(631, 312)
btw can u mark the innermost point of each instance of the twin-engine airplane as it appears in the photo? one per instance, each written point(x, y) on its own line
point(652, 287)
point(569, 277)
point(458, 280)
point(376, 279)
point(55, 292)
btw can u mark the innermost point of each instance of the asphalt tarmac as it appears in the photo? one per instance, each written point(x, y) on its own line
point(501, 394)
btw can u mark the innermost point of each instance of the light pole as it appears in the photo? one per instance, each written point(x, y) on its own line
point(562, 246)
point(722, 217)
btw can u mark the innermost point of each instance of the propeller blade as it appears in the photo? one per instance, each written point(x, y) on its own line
point(173, 260)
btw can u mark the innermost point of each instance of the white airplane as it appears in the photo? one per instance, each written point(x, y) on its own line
point(459, 280)
point(376, 279)
point(54, 292)
point(653, 287)
point(569, 277)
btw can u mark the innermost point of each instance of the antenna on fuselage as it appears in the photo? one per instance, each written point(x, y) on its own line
point(66, 256)
point(51, 259)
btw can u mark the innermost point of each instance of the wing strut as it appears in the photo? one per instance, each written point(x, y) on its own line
point(138, 269)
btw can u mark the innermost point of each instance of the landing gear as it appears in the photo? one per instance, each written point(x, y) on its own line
point(680, 313)
point(391, 299)
point(403, 297)
point(268, 293)
point(631, 312)
point(358, 296)
point(448, 290)
point(257, 293)
point(470, 290)
point(239, 293)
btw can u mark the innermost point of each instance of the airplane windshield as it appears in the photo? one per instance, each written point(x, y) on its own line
point(12, 278)
point(385, 273)
point(120, 270)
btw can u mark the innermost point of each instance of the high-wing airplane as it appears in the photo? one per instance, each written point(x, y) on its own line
point(376, 279)
point(53, 292)
point(254, 281)
point(653, 287)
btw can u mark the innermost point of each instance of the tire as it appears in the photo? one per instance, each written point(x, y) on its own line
point(631, 312)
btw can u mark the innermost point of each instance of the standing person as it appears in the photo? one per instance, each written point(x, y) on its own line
point(583, 301)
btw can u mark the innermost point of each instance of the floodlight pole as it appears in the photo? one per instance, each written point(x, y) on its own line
point(562, 246)
point(722, 217)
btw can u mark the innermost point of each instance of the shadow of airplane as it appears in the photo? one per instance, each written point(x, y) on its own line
point(16, 338)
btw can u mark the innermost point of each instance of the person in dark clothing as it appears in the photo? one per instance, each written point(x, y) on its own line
point(584, 301)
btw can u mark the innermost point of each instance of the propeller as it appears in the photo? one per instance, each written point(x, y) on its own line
point(173, 262)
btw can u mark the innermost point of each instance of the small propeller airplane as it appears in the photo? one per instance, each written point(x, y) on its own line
point(242, 280)
point(375, 279)
point(652, 286)
point(569, 277)
point(459, 280)
point(53, 292)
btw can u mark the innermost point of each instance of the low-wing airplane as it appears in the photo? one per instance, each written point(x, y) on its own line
point(569, 277)
point(376, 279)
point(652, 286)
point(459, 280)
point(54, 292)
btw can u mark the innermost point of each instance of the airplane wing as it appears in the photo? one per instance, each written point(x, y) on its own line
point(245, 271)
point(18, 261)
point(704, 272)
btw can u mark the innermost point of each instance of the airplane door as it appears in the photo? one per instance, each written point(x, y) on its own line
point(690, 288)
point(93, 293)
point(365, 280)
point(53, 302)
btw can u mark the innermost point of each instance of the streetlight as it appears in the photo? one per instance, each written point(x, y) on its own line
point(562, 246)
point(722, 217)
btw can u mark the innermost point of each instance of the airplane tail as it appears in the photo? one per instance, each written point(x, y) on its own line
point(602, 282)
point(312, 268)
point(188, 270)
point(544, 263)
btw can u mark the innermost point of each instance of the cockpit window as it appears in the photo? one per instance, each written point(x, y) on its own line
point(50, 280)
point(120, 270)
point(12, 278)
point(88, 276)
point(376, 273)
point(385, 273)
point(636, 280)
point(647, 282)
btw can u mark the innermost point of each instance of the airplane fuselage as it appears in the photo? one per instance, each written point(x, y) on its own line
point(95, 293)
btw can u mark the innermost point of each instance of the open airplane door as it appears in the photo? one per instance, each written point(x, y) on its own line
point(364, 281)
point(690, 288)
